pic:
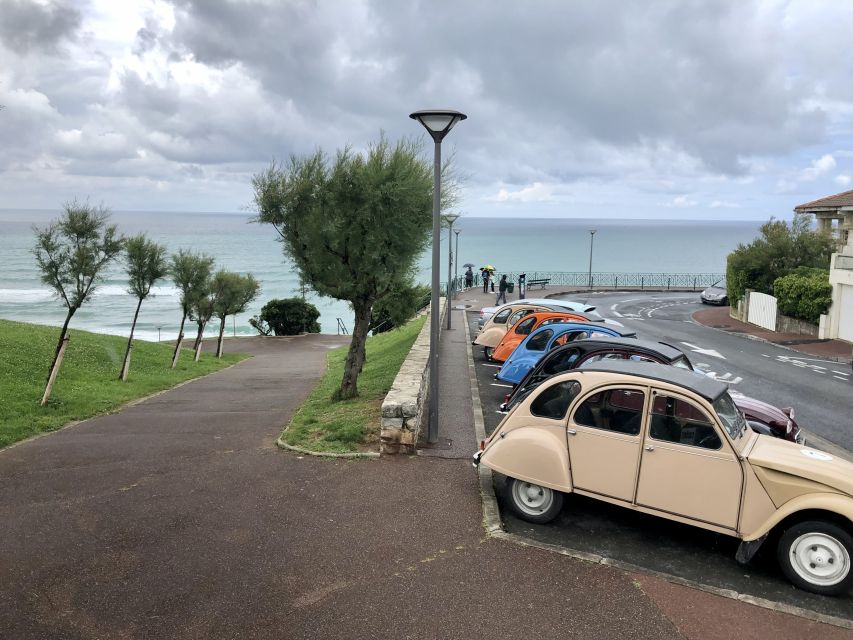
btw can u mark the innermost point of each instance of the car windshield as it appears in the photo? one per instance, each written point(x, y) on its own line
point(731, 418)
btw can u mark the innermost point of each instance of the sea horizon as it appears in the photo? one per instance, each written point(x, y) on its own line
point(512, 244)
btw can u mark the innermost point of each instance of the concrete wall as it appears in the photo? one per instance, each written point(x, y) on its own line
point(786, 324)
point(403, 407)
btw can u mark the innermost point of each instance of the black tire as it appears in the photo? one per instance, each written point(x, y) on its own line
point(533, 503)
point(821, 546)
point(488, 351)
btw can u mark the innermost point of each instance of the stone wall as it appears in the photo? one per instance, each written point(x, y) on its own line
point(787, 324)
point(403, 407)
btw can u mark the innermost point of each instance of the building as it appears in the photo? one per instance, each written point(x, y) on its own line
point(835, 214)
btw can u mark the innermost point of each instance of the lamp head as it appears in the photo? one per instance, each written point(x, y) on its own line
point(438, 122)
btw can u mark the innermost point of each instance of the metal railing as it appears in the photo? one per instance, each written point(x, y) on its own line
point(342, 329)
point(606, 280)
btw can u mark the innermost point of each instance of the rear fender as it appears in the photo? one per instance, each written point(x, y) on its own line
point(532, 454)
point(836, 503)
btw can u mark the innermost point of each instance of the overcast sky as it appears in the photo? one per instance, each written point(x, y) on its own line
point(673, 109)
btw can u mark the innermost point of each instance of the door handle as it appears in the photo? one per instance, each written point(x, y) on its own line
point(571, 432)
point(649, 447)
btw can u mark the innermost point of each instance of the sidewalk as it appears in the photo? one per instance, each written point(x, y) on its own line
point(179, 518)
point(718, 318)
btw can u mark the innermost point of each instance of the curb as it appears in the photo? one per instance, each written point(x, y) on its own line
point(320, 454)
point(494, 529)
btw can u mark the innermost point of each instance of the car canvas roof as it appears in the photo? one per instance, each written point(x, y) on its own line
point(700, 384)
point(560, 328)
point(666, 350)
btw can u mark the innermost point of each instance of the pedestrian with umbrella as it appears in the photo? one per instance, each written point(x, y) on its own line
point(469, 275)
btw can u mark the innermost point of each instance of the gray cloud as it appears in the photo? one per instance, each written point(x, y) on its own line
point(659, 97)
point(27, 26)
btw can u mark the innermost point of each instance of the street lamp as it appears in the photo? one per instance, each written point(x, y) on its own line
point(438, 123)
point(450, 218)
point(456, 263)
point(591, 238)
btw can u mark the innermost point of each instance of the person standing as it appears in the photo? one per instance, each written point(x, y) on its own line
point(522, 285)
point(485, 274)
point(502, 287)
point(469, 278)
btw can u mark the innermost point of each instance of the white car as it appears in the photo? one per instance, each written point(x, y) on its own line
point(579, 307)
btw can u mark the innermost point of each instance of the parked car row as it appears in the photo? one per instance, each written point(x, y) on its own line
point(630, 422)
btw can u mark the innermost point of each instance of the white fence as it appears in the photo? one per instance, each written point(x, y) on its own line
point(762, 310)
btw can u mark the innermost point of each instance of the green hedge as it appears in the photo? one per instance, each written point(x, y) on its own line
point(804, 294)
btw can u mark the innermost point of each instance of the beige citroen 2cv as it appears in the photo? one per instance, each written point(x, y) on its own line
point(670, 442)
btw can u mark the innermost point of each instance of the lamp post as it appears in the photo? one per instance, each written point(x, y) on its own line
point(591, 238)
point(456, 263)
point(438, 123)
point(450, 218)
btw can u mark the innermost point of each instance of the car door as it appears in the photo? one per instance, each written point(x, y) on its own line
point(604, 439)
point(688, 467)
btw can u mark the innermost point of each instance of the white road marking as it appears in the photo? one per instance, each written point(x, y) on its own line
point(706, 352)
point(840, 378)
point(814, 366)
point(842, 373)
point(486, 364)
point(816, 371)
point(766, 356)
point(832, 362)
point(617, 314)
point(497, 384)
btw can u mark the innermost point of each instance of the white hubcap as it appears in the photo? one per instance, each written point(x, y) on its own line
point(820, 559)
point(531, 498)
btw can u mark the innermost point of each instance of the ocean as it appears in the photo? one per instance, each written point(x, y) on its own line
point(510, 244)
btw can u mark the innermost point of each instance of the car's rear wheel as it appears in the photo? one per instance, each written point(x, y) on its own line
point(532, 502)
point(815, 556)
point(489, 351)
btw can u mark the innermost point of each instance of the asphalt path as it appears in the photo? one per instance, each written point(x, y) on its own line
point(654, 543)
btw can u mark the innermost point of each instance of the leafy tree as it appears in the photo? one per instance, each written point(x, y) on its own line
point(777, 252)
point(71, 254)
point(191, 274)
point(353, 227)
point(804, 294)
point(146, 264)
point(232, 293)
point(398, 307)
point(287, 317)
point(201, 311)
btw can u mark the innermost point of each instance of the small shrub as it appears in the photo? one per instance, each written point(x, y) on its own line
point(398, 307)
point(804, 294)
point(287, 317)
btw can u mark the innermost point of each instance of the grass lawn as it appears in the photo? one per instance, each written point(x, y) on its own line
point(352, 425)
point(88, 382)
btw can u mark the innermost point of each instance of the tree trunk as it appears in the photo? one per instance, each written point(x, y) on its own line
point(54, 370)
point(198, 342)
point(221, 334)
point(125, 365)
point(59, 344)
point(356, 354)
point(180, 341)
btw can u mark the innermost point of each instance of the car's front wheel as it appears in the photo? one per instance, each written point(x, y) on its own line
point(532, 502)
point(488, 351)
point(815, 556)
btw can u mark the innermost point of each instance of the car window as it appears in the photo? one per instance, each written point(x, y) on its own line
point(525, 326)
point(680, 421)
point(554, 321)
point(500, 318)
point(540, 340)
point(518, 315)
point(728, 412)
point(638, 358)
point(598, 357)
point(560, 362)
point(682, 363)
point(619, 410)
point(554, 401)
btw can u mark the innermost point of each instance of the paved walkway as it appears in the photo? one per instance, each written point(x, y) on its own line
point(178, 518)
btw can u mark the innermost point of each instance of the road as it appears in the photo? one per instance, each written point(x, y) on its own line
point(819, 391)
